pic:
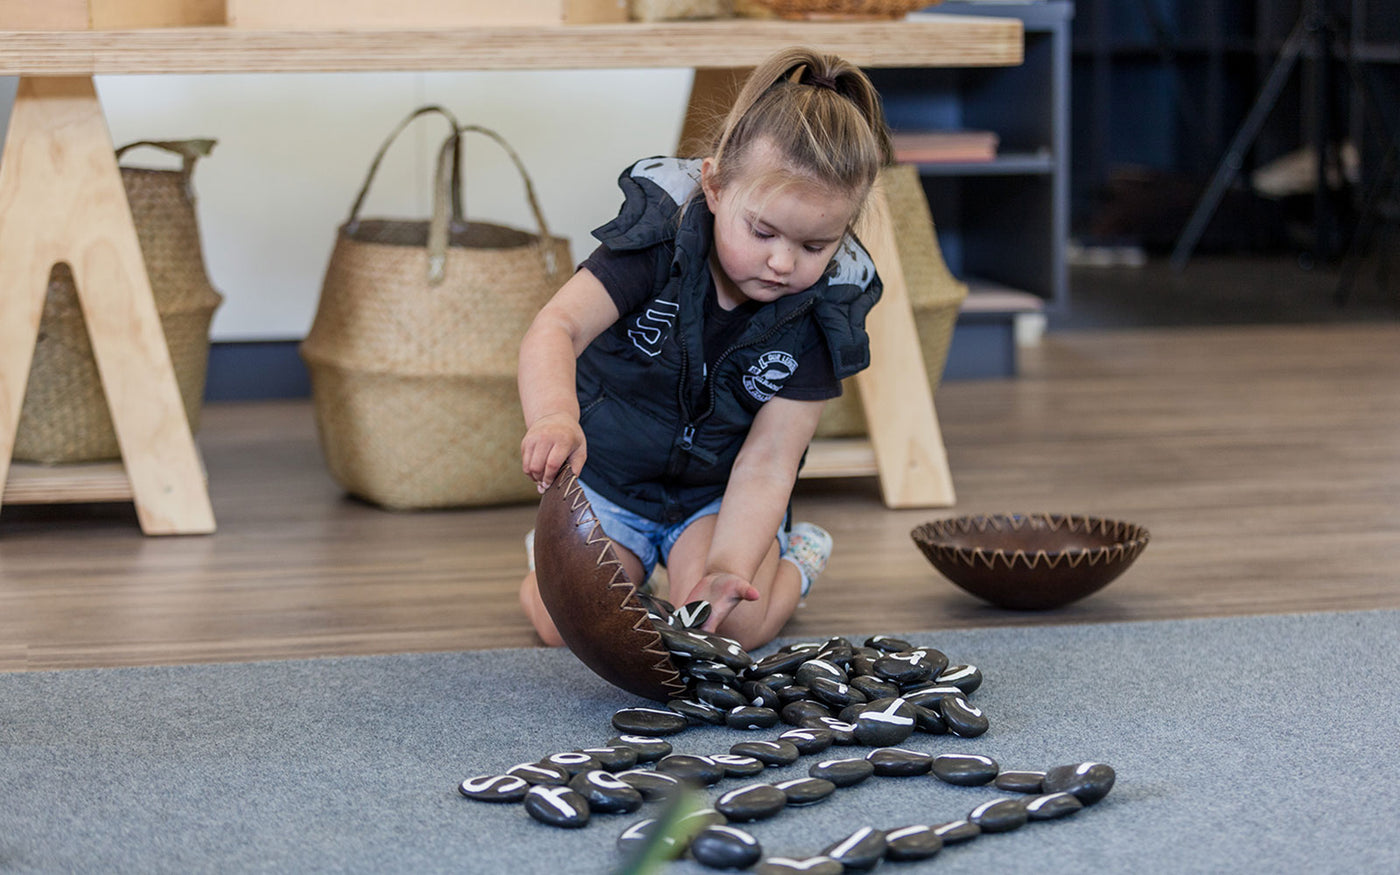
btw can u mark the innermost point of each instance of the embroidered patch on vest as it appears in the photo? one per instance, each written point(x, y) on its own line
point(768, 374)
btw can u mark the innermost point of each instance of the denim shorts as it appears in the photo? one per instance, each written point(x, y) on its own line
point(649, 541)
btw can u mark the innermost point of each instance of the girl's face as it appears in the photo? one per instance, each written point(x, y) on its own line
point(771, 239)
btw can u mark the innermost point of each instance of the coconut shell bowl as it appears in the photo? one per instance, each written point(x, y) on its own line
point(1030, 562)
point(591, 600)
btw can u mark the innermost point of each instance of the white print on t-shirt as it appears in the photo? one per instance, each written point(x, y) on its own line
point(768, 374)
point(649, 329)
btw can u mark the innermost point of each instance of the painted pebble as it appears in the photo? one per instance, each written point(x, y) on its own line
point(910, 843)
point(842, 733)
point(540, 773)
point(905, 668)
point(692, 615)
point(751, 802)
point(739, 766)
point(964, 769)
point(929, 721)
point(1089, 782)
point(819, 668)
point(888, 643)
point(786, 662)
point(717, 672)
point(689, 645)
point(719, 695)
point(639, 835)
point(494, 788)
point(691, 768)
point(806, 791)
point(999, 815)
point(955, 831)
point(808, 741)
point(789, 693)
point(963, 718)
point(613, 758)
point(697, 712)
point(1052, 805)
point(874, 688)
point(860, 850)
point(898, 762)
point(760, 695)
point(725, 847)
point(606, 793)
point(843, 773)
point(751, 717)
point(652, 785)
point(772, 753)
point(648, 721)
point(557, 806)
point(884, 722)
point(931, 695)
point(572, 762)
point(808, 866)
point(648, 749)
point(835, 693)
point(1020, 781)
point(796, 713)
point(965, 677)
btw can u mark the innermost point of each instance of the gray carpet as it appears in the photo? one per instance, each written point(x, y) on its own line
point(1261, 744)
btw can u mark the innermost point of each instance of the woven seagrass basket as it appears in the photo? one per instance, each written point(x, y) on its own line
point(935, 294)
point(64, 417)
point(413, 349)
point(679, 10)
point(819, 9)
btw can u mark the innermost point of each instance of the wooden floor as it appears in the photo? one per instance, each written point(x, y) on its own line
point(1264, 460)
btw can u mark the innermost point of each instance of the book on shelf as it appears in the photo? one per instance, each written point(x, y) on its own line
point(928, 147)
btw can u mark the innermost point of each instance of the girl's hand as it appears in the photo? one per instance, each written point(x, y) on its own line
point(550, 442)
point(724, 592)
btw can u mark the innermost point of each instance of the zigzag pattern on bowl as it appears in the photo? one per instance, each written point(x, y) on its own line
point(1129, 540)
point(649, 640)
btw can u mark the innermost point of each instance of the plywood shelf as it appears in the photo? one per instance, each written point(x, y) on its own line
point(943, 41)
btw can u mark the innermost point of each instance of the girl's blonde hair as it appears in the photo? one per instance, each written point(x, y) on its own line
point(821, 112)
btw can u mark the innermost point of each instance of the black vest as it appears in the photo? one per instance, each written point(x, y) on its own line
point(663, 434)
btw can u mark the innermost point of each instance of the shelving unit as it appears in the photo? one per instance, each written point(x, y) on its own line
point(1002, 223)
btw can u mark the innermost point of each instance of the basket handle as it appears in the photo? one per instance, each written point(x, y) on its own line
point(449, 186)
point(189, 151)
point(352, 222)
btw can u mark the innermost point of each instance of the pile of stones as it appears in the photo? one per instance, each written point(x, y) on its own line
point(832, 694)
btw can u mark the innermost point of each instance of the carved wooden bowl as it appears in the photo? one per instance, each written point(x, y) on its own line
point(592, 602)
point(1031, 562)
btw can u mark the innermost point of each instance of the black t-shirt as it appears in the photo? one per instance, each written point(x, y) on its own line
point(629, 278)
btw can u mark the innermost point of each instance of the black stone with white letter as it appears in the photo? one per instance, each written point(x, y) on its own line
point(652, 785)
point(795, 713)
point(606, 793)
point(640, 833)
point(898, 762)
point(965, 677)
point(1020, 781)
point(691, 615)
point(860, 850)
point(964, 769)
point(725, 847)
point(1089, 782)
point(736, 766)
point(806, 866)
point(887, 643)
point(696, 711)
point(835, 693)
point(843, 773)
point(648, 721)
point(751, 802)
point(808, 741)
point(494, 788)
point(1052, 805)
point(540, 773)
point(648, 749)
point(557, 806)
point(699, 770)
point(613, 758)
point(910, 843)
point(806, 791)
point(955, 831)
point(751, 717)
point(884, 722)
point(719, 695)
point(772, 753)
point(963, 718)
point(572, 762)
point(999, 815)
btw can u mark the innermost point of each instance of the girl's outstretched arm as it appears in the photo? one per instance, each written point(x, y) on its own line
point(745, 604)
point(577, 313)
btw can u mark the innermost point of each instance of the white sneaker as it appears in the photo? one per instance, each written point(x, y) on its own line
point(809, 548)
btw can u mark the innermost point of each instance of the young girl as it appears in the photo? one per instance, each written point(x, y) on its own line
point(681, 371)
